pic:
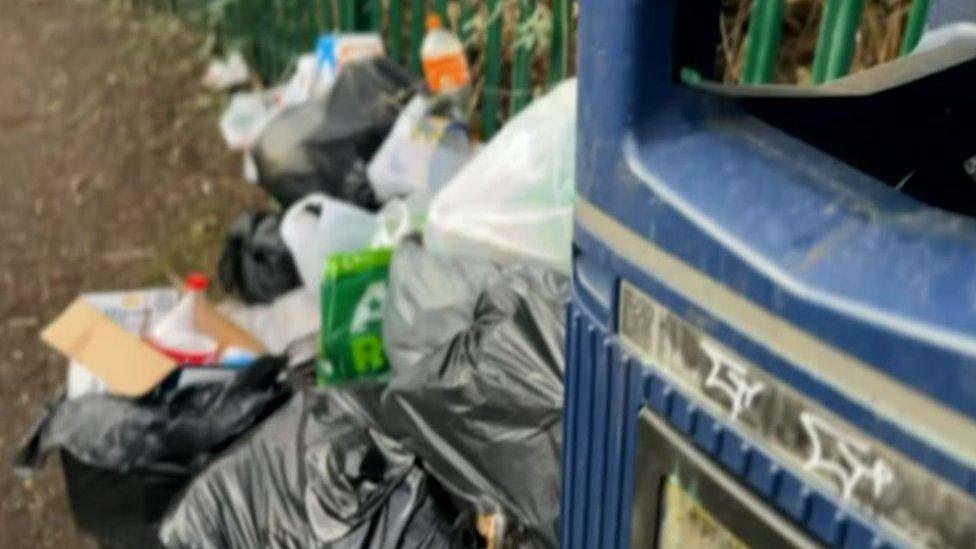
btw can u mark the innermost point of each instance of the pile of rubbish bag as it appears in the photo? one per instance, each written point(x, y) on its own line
point(389, 370)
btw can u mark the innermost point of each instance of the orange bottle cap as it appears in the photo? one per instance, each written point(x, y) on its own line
point(433, 21)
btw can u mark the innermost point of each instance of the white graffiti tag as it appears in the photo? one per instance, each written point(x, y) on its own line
point(729, 377)
point(852, 467)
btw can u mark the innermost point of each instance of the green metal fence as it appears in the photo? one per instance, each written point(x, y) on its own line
point(517, 48)
point(835, 43)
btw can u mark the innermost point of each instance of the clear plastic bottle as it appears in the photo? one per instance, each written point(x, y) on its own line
point(176, 334)
point(444, 61)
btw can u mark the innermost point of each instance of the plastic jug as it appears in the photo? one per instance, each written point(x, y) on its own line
point(442, 54)
point(176, 334)
point(318, 226)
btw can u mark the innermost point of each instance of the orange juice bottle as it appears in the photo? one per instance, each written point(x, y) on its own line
point(443, 58)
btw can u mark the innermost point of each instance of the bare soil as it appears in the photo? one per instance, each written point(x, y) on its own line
point(112, 175)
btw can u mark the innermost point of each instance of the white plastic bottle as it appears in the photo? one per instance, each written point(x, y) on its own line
point(443, 58)
point(176, 334)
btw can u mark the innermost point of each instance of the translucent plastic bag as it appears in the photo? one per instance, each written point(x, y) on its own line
point(318, 226)
point(421, 152)
point(513, 201)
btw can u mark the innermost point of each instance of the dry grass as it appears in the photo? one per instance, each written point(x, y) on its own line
point(878, 39)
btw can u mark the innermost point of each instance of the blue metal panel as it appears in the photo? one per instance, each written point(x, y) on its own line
point(618, 373)
point(584, 420)
point(883, 428)
point(821, 514)
point(598, 445)
point(826, 522)
point(570, 424)
point(800, 235)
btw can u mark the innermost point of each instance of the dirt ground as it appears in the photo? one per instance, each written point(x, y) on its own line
point(113, 175)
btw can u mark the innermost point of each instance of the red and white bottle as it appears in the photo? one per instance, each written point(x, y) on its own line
point(444, 61)
point(176, 334)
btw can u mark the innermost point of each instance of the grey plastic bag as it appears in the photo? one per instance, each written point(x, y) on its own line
point(312, 476)
point(477, 383)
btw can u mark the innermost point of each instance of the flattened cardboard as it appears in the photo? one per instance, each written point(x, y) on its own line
point(133, 310)
point(126, 364)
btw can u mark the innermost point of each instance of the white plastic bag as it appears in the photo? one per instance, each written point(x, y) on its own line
point(226, 73)
point(244, 118)
point(306, 83)
point(393, 222)
point(318, 226)
point(405, 162)
point(513, 202)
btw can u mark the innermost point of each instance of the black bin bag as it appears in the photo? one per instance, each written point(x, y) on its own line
point(126, 460)
point(313, 476)
point(476, 388)
point(255, 264)
point(324, 145)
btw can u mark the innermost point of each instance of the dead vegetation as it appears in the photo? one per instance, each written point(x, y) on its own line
point(878, 39)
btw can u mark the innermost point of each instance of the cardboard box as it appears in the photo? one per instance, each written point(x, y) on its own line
point(135, 311)
point(103, 332)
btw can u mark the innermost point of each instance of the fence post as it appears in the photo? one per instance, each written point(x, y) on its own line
point(440, 7)
point(418, 13)
point(376, 15)
point(522, 65)
point(347, 15)
point(914, 26)
point(835, 44)
point(559, 45)
point(490, 94)
point(394, 38)
point(762, 41)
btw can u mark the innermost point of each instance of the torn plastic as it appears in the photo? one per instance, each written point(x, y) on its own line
point(513, 201)
point(325, 144)
point(126, 459)
point(312, 476)
point(476, 387)
point(256, 265)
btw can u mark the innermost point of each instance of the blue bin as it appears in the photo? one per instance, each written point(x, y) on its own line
point(766, 346)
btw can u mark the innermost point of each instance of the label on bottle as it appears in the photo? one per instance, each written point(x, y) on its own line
point(446, 72)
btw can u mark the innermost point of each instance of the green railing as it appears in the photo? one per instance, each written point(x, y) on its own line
point(517, 48)
point(835, 43)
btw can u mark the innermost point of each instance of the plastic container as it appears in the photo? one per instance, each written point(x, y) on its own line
point(176, 334)
point(318, 226)
point(335, 50)
point(442, 54)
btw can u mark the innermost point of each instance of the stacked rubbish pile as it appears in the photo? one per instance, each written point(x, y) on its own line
point(389, 372)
